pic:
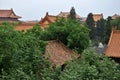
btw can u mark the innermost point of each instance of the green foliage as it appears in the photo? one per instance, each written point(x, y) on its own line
point(116, 23)
point(36, 31)
point(91, 25)
point(70, 32)
point(78, 39)
point(7, 25)
point(72, 13)
point(108, 29)
point(56, 30)
point(10, 23)
point(91, 66)
point(21, 54)
point(100, 30)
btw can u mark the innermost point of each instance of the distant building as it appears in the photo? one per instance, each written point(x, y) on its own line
point(66, 15)
point(44, 22)
point(8, 16)
point(97, 17)
point(48, 19)
point(113, 47)
point(24, 26)
point(115, 16)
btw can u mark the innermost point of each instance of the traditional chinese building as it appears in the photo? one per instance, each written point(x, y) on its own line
point(8, 16)
point(66, 15)
point(115, 16)
point(97, 17)
point(24, 26)
point(113, 47)
point(48, 19)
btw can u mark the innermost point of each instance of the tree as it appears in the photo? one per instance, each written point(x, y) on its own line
point(91, 66)
point(108, 29)
point(72, 13)
point(57, 31)
point(78, 39)
point(70, 32)
point(22, 55)
point(91, 25)
point(116, 23)
point(100, 30)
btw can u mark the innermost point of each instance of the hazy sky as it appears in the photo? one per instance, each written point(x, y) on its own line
point(35, 9)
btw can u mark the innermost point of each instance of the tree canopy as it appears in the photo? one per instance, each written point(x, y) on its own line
point(70, 32)
point(108, 29)
point(116, 23)
point(22, 53)
point(91, 66)
point(100, 30)
point(72, 13)
point(91, 25)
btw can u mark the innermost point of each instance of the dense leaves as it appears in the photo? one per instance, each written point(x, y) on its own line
point(20, 54)
point(78, 39)
point(91, 66)
point(70, 32)
point(100, 30)
point(108, 29)
point(91, 25)
point(116, 23)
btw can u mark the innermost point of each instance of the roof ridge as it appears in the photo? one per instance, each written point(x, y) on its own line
point(116, 31)
point(52, 15)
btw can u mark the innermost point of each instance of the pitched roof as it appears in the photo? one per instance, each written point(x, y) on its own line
point(8, 13)
point(47, 19)
point(58, 53)
point(66, 14)
point(115, 16)
point(97, 17)
point(113, 47)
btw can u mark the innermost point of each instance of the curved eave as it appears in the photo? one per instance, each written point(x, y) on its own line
point(15, 17)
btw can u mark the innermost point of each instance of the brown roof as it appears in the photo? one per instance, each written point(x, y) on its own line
point(115, 16)
point(8, 13)
point(113, 48)
point(97, 17)
point(58, 53)
point(66, 14)
point(47, 20)
point(25, 26)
